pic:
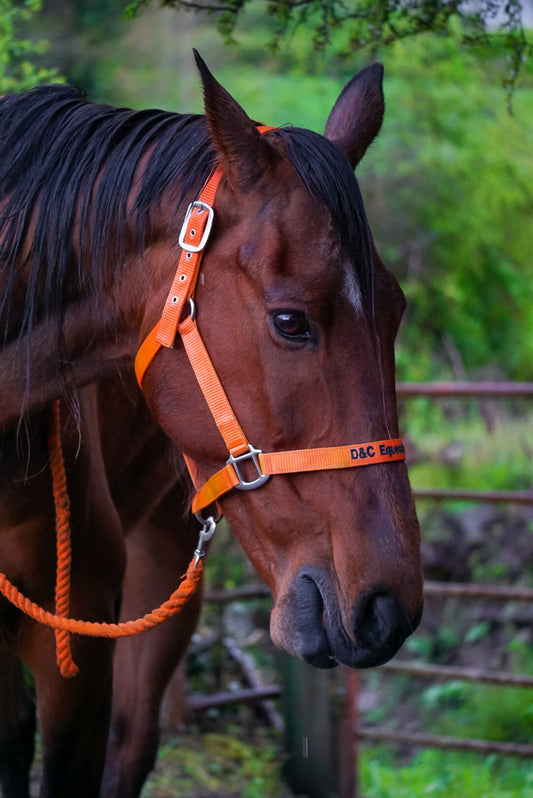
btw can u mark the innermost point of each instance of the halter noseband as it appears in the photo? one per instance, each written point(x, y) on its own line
point(193, 239)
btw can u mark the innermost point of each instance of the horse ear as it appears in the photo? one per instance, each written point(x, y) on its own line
point(243, 153)
point(356, 117)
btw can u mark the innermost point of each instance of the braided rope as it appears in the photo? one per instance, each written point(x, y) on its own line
point(63, 625)
point(67, 666)
point(170, 607)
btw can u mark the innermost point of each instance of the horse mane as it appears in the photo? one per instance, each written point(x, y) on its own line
point(65, 159)
point(68, 164)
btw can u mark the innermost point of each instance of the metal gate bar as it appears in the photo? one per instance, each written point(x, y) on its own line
point(475, 390)
point(471, 590)
point(492, 496)
point(442, 741)
point(501, 678)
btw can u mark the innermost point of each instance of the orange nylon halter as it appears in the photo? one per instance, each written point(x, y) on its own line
point(193, 239)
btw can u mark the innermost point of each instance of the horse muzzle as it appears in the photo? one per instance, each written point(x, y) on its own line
point(308, 624)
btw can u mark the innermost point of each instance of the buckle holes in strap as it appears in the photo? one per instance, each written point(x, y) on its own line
point(182, 278)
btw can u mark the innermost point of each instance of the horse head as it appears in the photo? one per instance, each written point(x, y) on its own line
point(299, 316)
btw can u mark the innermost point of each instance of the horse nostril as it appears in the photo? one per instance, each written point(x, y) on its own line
point(381, 623)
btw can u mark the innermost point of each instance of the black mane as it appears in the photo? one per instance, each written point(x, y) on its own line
point(62, 155)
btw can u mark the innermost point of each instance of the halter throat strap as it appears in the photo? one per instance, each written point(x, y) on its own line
point(244, 459)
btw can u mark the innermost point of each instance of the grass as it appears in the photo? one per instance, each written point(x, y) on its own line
point(443, 774)
point(488, 712)
point(218, 764)
point(500, 459)
point(456, 709)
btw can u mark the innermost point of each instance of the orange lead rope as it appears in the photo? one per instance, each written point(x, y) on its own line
point(64, 550)
point(59, 621)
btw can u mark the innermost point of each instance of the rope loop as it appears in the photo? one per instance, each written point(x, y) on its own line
point(59, 621)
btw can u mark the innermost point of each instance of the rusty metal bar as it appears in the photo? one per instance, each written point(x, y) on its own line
point(199, 703)
point(443, 741)
point(515, 390)
point(346, 742)
point(478, 591)
point(507, 496)
point(500, 678)
point(445, 589)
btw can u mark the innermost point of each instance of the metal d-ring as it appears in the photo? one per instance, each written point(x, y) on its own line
point(236, 461)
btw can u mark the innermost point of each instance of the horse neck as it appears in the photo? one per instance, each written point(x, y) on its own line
point(95, 337)
point(98, 323)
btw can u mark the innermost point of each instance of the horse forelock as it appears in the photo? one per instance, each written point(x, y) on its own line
point(326, 174)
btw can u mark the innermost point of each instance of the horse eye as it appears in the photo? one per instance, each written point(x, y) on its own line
point(292, 324)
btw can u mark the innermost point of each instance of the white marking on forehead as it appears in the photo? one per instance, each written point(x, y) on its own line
point(352, 291)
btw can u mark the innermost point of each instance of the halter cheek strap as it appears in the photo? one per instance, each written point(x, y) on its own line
point(193, 239)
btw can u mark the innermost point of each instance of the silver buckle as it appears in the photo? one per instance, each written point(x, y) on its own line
point(252, 454)
point(207, 229)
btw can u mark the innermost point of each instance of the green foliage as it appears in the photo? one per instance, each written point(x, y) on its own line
point(443, 774)
point(371, 24)
point(490, 713)
point(448, 695)
point(481, 711)
point(450, 196)
point(500, 460)
point(84, 33)
point(456, 709)
point(17, 52)
point(436, 647)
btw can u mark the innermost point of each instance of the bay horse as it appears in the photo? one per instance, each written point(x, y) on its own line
point(293, 317)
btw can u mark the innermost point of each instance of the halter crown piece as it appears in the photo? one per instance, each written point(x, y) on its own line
point(193, 240)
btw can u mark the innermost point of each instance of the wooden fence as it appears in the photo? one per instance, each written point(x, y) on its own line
point(322, 729)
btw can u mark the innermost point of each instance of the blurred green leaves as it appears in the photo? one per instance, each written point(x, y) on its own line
point(449, 190)
point(18, 52)
point(371, 24)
